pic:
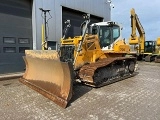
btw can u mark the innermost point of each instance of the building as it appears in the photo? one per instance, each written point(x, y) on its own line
point(20, 25)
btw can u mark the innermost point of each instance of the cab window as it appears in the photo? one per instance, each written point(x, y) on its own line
point(116, 32)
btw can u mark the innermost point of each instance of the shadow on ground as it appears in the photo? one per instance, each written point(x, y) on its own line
point(78, 91)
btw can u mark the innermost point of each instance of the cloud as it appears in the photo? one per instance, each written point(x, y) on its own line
point(147, 12)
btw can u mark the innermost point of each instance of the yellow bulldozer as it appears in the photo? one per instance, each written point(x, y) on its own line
point(95, 58)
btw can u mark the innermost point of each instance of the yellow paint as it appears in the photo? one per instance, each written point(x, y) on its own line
point(43, 36)
point(158, 45)
point(136, 26)
point(91, 50)
point(158, 41)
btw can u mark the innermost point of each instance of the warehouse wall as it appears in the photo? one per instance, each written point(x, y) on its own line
point(97, 7)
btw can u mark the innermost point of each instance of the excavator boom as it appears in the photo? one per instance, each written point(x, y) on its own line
point(136, 25)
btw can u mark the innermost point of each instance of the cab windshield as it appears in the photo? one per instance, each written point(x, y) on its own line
point(149, 46)
point(107, 34)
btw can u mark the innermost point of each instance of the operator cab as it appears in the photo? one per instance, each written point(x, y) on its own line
point(108, 33)
point(149, 47)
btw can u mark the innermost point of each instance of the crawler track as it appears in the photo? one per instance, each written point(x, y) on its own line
point(107, 71)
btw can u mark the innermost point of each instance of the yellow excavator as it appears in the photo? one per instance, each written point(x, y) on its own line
point(157, 58)
point(95, 59)
point(153, 48)
point(140, 48)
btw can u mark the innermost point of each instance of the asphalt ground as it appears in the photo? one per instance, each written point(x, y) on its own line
point(136, 98)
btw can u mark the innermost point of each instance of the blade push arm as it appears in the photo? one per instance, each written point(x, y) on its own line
point(84, 30)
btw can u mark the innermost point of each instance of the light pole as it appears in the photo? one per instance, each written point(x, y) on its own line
point(44, 29)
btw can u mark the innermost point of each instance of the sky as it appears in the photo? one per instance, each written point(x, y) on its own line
point(148, 12)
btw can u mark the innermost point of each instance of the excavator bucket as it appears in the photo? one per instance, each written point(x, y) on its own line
point(46, 74)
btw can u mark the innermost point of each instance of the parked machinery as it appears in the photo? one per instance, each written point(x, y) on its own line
point(157, 58)
point(140, 48)
point(95, 59)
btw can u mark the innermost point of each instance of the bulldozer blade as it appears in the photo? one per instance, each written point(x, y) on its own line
point(50, 77)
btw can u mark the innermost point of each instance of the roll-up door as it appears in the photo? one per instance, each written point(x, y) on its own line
point(76, 19)
point(15, 34)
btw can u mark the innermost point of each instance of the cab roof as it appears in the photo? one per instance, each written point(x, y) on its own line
point(105, 23)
